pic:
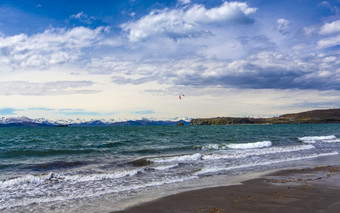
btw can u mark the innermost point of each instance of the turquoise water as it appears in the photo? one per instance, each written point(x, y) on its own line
point(44, 167)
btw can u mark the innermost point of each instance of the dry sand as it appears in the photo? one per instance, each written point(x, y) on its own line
point(303, 190)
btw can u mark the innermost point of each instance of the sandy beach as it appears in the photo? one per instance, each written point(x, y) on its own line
point(315, 189)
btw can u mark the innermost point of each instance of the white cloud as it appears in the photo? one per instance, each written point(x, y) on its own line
point(53, 46)
point(308, 31)
point(329, 42)
point(48, 88)
point(79, 15)
point(184, 1)
point(283, 25)
point(331, 5)
point(82, 17)
point(187, 22)
point(262, 70)
point(329, 28)
point(109, 65)
point(329, 59)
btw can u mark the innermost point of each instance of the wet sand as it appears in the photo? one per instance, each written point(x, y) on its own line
point(304, 190)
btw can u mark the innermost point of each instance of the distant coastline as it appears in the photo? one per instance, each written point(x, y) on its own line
point(308, 117)
point(27, 122)
point(61, 125)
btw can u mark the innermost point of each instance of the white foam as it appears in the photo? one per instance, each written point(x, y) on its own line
point(90, 193)
point(253, 152)
point(167, 180)
point(34, 180)
point(27, 179)
point(250, 145)
point(214, 147)
point(254, 145)
point(166, 167)
point(206, 170)
point(104, 176)
point(314, 139)
point(180, 158)
point(241, 153)
point(332, 141)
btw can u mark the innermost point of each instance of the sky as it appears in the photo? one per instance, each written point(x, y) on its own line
point(131, 59)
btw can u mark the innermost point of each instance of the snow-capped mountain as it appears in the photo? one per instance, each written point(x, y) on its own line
point(25, 121)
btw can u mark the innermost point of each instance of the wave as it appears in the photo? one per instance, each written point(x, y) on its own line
point(173, 160)
point(219, 169)
point(166, 167)
point(104, 176)
point(250, 145)
point(254, 145)
point(27, 179)
point(90, 193)
point(242, 153)
point(53, 177)
point(179, 158)
point(321, 139)
point(253, 152)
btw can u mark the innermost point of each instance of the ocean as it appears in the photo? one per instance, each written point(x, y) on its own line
point(102, 169)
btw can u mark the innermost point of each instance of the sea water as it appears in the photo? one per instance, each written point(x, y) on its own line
point(98, 169)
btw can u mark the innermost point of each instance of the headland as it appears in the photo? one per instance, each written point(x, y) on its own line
point(308, 117)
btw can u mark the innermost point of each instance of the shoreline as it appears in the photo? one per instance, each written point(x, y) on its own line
point(314, 189)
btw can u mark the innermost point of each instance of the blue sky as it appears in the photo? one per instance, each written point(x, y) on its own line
point(131, 59)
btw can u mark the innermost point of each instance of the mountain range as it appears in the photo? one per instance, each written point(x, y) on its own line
point(41, 122)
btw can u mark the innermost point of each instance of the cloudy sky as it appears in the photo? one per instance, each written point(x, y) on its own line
point(131, 59)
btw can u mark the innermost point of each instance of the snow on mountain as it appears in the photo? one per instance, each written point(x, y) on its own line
point(25, 121)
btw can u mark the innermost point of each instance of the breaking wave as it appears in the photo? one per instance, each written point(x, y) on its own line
point(256, 152)
point(320, 139)
point(255, 145)
point(180, 158)
point(233, 154)
point(207, 170)
point(53, 177)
